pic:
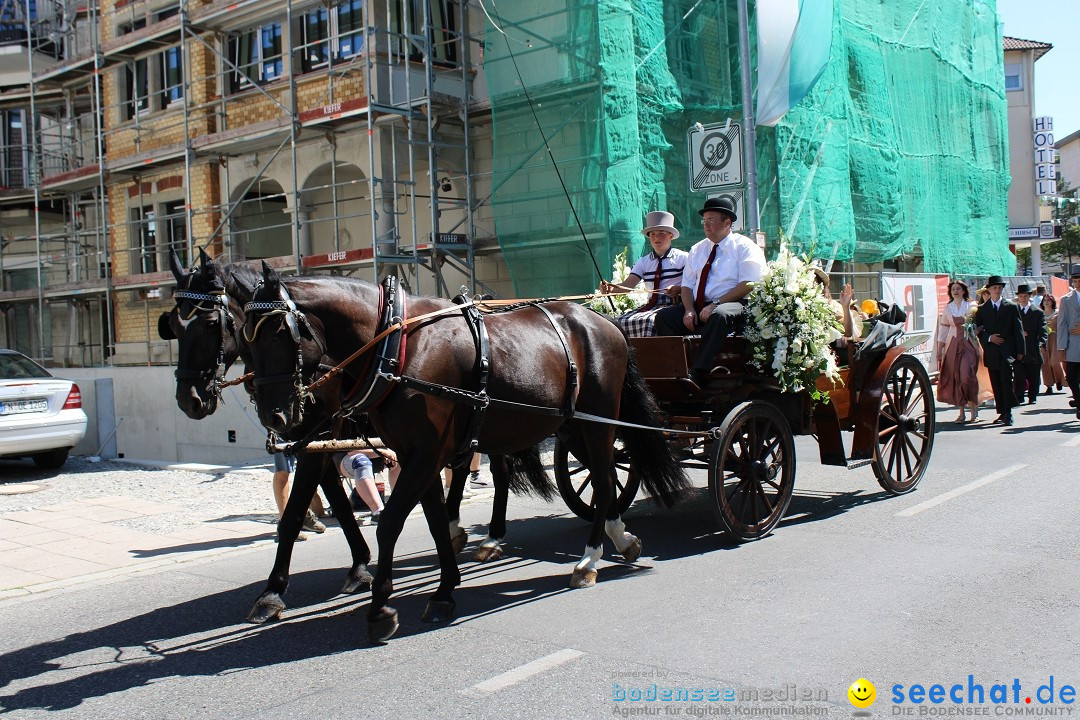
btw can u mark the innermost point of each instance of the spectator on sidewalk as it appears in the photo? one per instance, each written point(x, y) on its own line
point(285, 465)
point(360, 467)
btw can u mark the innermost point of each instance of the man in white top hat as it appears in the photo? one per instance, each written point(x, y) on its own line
point(661, 269)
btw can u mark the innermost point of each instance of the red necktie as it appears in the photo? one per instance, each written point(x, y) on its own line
point(655, 285)
point(699, 299)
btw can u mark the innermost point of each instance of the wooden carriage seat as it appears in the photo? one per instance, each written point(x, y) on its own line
point(665, 362)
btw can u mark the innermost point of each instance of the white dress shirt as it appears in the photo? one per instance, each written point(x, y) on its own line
point(738, 259)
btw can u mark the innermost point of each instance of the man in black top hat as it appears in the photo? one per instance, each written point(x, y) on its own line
point(716, 279)
point(1028, 372)
point(1002, 339)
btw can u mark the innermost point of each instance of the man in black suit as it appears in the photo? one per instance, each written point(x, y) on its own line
point(1028, 372)
point(1001, 335)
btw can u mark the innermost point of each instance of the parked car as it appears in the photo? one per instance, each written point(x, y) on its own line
point(40, 415)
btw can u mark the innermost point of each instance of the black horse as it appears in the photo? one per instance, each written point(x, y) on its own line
point(554, 361)
point(207, 321)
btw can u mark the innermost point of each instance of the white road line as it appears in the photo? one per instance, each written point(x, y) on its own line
point(1072, 442)
point(956, 492)
point(523, 672)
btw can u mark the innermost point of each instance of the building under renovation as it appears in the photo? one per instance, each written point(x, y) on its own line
point(317, 137)
point(413, 136)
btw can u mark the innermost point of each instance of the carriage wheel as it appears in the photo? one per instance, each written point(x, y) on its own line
point(905, 427)
point(576, 489)
point(752, 470)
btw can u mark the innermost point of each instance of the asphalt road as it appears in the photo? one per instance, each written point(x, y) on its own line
point(974, 574)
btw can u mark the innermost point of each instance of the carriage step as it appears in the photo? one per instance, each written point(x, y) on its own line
point(852, 464)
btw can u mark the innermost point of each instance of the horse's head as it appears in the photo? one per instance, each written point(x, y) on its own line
point(285, 353)
point(204, 325)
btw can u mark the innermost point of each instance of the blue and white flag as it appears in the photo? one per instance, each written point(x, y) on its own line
point(794, 43)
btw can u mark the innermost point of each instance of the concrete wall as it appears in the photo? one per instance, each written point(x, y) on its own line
point(1023, 204)
point(152, 427)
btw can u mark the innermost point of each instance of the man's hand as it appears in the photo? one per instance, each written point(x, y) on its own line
point(997, 339)
point(1019, 357)
point(673, 291)
point(689, 320)
point(1075, 329)
point(706, 312)
point(846, 296)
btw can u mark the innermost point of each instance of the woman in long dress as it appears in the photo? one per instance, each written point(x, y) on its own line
point(958, 355)
point(1053, 369)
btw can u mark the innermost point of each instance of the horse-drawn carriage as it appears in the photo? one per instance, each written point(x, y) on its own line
point(439, 380)
point(740, 427)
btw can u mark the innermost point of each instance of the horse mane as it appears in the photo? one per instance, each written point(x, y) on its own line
point(241, 279)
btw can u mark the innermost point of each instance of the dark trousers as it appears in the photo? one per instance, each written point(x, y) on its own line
point(1027, 380)
point(1001, 380)
point(1072, 376)
point(725, 319)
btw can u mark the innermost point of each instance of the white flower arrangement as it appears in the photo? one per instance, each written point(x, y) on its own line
point(790, 323)
point(625, 302)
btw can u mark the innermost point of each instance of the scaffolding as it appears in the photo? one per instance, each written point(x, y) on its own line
point(316, 136)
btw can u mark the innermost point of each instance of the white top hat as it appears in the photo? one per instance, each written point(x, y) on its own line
point(660, 220)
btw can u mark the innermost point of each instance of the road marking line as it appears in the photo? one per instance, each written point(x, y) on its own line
point(524, 672)
point(956, 492)
point(1072, 442)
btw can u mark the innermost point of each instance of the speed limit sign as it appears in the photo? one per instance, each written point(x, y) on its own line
point(715, 154)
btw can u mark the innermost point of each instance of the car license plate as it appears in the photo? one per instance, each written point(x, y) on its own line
point(12, 407)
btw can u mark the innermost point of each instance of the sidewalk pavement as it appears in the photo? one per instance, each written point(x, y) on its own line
point(91, 540)
point(57, 546)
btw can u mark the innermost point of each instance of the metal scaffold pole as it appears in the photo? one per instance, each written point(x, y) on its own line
point(750, 129)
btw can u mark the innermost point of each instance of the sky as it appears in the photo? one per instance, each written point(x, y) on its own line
point(1058, 23)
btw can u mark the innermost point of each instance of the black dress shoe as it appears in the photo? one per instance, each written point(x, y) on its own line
point(1008, 420)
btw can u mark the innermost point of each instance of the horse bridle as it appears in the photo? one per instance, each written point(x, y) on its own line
point(293, 319)
point(219, 304)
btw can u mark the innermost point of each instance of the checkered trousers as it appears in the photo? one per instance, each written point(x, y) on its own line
point(639, 322)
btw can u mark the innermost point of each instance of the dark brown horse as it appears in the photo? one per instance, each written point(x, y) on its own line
point(207, 322)
point(548, 364)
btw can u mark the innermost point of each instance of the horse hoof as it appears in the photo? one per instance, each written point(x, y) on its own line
point(384, 626)
point(438, 611)
point(487, 552)
point(632, 551)
point(358, 580)
point(583, 579)
point(458, 541)
point(267, 607)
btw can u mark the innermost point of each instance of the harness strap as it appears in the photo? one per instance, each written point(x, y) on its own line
point(571, 367)
point(475, 320)
point(389, 357)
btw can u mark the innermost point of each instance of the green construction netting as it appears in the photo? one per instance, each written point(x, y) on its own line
point(900, 149)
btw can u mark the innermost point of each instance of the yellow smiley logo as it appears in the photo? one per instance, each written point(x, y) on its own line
point(862, 693)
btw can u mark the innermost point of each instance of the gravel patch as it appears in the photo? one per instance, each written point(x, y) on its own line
point(197, 496)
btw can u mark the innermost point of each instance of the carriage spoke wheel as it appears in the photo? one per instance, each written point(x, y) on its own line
point(572, 478)
point(752, 470)
point(905, 427)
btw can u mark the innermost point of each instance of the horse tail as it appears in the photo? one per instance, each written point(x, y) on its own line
point(650, 455)
point(528, 476)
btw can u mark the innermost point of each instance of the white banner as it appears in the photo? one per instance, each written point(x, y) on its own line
point(922, 297)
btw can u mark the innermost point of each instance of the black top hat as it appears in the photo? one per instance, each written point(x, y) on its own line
point(722, 204)
point(1023, 288)
point(995, 280)
point(1075, 272)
